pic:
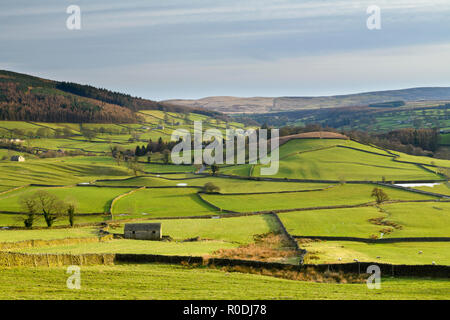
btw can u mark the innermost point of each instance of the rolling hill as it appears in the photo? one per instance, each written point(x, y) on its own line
point(275, 104)
point(28, 98)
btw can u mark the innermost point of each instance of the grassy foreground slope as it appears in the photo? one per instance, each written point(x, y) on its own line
point(175, 282)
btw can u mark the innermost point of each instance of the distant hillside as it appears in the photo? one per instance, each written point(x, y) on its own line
point(28, 98)
point(264, 105)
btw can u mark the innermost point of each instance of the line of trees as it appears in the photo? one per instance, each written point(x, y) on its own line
point(43, 204)
point(50, 106)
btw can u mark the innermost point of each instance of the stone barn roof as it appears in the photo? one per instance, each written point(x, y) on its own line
point(17, 158)
point(142, 226)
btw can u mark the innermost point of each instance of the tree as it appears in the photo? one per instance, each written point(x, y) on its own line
point(89, 134)
point(50, 206)
point(71, 214)
point(166, 156)
point(29, 219)
point(43, 132)
point(160, 144)
point(214, 169)
point(137, 152)
point(43, 202)
point(135, 166)
point(380, 195)
point(30, 205)
point(210, 187)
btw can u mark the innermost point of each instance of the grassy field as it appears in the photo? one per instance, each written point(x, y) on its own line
point(58, 171)
point(347, 194)
point(420, 220)
point(171, 202)
point(239, 230)
point(44, 234)
point(425, 160)
point(225, 185)
point(16, 220)
point(443, 188)
point(415, 220)
point(335, 222)
point(159, 282)
point(197, 248)
point(445, 139)
point(346, 164)
point(315, 159)
point(394, 253)
point(86, 199)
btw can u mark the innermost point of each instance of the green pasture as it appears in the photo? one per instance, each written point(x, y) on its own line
point(226, 185)
point(59, 171)
point(296, 146)
point(22, 125)
point(424, 160)
point(6, 154)
point(346, 194)
point(443, 188)
point(393, 253)
point(444, 139)
point(86, 199)
point(16, 220)
point(166, 282)
point(420, 219)
point(169, 202)
point(348, 222)
point(239, 230)
point(242, 170)
point(195, 248)
point(46, 234)
point(415, 219)
point(347, 164)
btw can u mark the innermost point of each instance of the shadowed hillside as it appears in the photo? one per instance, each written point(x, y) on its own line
point(28, 98)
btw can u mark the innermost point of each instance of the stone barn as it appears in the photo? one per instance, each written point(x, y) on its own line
point(18, 158)
point(143, 231)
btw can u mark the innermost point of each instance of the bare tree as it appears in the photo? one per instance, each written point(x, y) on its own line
point(31, 207)
point(50, 206)
point(135, 166)
point(71, 214)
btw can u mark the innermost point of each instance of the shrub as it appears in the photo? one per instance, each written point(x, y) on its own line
point(210, 187)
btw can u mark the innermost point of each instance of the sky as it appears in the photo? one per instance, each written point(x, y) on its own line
point(169, 49)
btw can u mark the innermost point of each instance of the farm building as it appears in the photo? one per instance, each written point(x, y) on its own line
point(143, 231)
point(18, 158)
